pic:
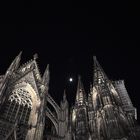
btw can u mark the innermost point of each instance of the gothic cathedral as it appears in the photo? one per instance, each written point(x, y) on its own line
point(28, 112)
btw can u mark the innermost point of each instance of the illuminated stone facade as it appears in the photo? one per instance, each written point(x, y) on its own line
point(28, 112)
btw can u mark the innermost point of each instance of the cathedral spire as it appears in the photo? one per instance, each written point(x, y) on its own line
point(98, 74)
point(15, 64)
point(80, 95)
point(105, 87)
point(46, 76)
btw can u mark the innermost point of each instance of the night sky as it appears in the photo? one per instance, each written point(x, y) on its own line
point(67, 40)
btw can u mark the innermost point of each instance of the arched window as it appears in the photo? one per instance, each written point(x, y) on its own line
point(19, 106)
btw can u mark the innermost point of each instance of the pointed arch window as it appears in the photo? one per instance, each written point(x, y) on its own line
point(19, 106)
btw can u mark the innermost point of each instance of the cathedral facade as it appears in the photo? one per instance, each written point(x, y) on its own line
point(28, 112)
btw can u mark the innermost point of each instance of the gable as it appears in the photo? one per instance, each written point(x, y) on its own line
point(30, 78)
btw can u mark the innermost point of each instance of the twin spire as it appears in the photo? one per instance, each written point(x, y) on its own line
point(99, 76)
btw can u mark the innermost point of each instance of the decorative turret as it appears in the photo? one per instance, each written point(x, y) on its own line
point(46, 76)
point(64, 96)
point(64, 117)
point(14, 65)
point(64, 102)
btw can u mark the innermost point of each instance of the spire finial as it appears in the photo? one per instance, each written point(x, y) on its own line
point(46, 76)
point(94, 58)
point(20, 53)
point(79, 85)
point(35, 56)
point(79, 77)
point(15, 64)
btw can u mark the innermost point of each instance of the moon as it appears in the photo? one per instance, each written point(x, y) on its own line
point(71, 79)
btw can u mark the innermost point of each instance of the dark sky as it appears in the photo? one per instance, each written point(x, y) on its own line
point(68, 38)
